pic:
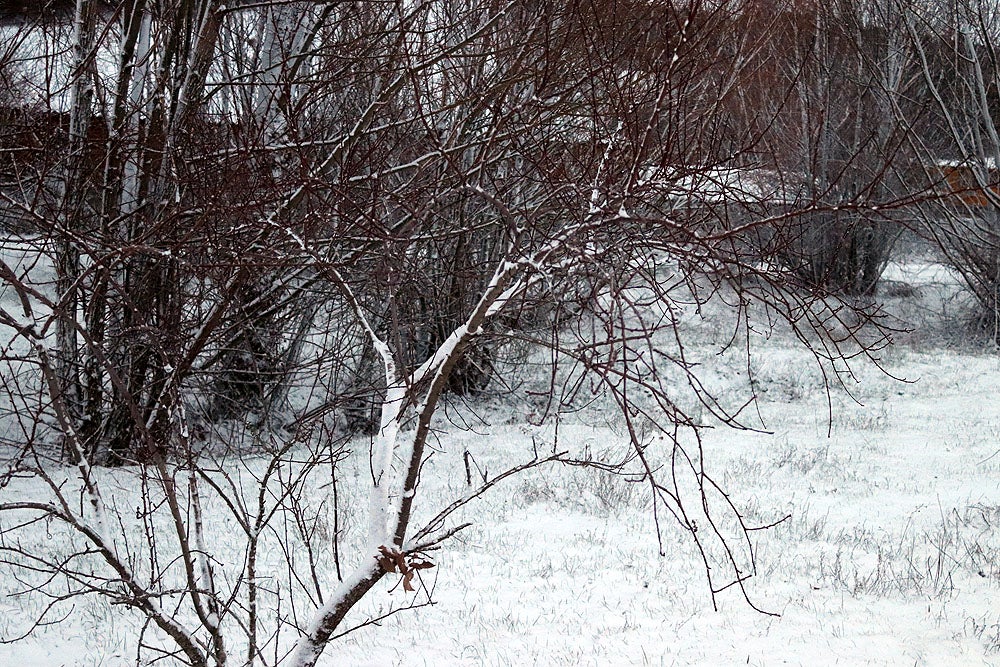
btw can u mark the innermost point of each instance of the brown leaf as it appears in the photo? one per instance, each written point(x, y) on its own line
point(389, 559)
point(400, 560)
point(392, 560)
point(407, 578)
point(420, 565)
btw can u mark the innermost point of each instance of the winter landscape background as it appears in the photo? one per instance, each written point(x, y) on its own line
point(460, 333)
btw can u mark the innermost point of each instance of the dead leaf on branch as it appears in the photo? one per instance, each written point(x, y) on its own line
point(406, 564)
point(392, 560)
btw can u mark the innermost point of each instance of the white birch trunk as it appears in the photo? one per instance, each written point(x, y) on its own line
point(137, 85)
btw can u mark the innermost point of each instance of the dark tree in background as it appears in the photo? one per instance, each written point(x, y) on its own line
point(833, 101)
point(960, 70)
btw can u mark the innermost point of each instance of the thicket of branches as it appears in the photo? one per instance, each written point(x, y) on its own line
point(296, 219)
point(955, 48)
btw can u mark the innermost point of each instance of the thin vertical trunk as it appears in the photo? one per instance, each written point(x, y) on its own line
point(74, 216)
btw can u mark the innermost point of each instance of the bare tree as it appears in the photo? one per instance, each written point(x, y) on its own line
point(435, 182)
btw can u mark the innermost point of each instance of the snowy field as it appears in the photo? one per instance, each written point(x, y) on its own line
point(890, 554)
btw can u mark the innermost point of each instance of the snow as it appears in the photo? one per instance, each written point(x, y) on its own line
point(919, 273)
point(721, 185)
point(988, 162)
point(891, 554)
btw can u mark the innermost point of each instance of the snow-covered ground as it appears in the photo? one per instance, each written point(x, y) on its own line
point(891, 554)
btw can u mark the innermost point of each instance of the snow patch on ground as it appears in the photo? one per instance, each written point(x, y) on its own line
point(890, 554)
